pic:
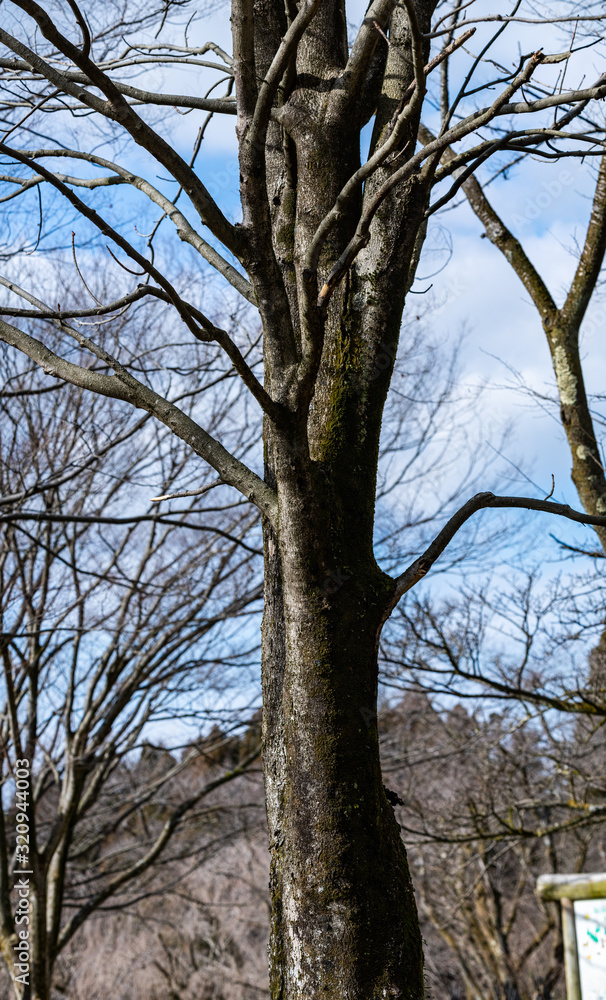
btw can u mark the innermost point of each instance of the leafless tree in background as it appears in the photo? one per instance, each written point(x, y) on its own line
point(488, 802)
point(506, 789)
point(527, 642)
point(116, 629)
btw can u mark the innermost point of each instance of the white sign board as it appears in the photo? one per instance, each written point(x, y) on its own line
point(590, 920)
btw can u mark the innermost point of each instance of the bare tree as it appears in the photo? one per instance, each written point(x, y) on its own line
point(488, 801)
point(561, 323)
point(527, 641)
point(115, 630)
point(199, 925)
point(326, 251)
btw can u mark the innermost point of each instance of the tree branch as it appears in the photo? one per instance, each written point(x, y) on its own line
point(107, 230)
point(185, 231)
point(189, 493)
point(592, 256)
point(44, 518)
point(211, 333)
point(498, 234)
point(206, 331)
point(119, 110)
point(61, 314)
point(234, 472)
point(459, 131)
point(421, 566)
point(72, 82)
point(365, 43)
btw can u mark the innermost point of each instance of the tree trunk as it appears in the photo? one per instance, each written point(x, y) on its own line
point(587, 470)
point(40, 972)
point(344, 917)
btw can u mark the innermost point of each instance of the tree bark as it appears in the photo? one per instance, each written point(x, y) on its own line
point(344, 916)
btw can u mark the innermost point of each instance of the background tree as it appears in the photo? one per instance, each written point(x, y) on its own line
point(115, 630)
point(326, 250)
point(506, 789)
point(561, 323)
point(489, 801)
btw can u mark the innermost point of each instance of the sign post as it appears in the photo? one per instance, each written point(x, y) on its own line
point(583, 931)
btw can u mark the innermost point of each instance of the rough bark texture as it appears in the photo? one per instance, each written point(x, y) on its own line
point(344, 915)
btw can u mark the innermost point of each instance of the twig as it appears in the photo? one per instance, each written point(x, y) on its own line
point(80, 275)
point(137, 274)
point(189, 493)
point(592, 553)
point(86, 39)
